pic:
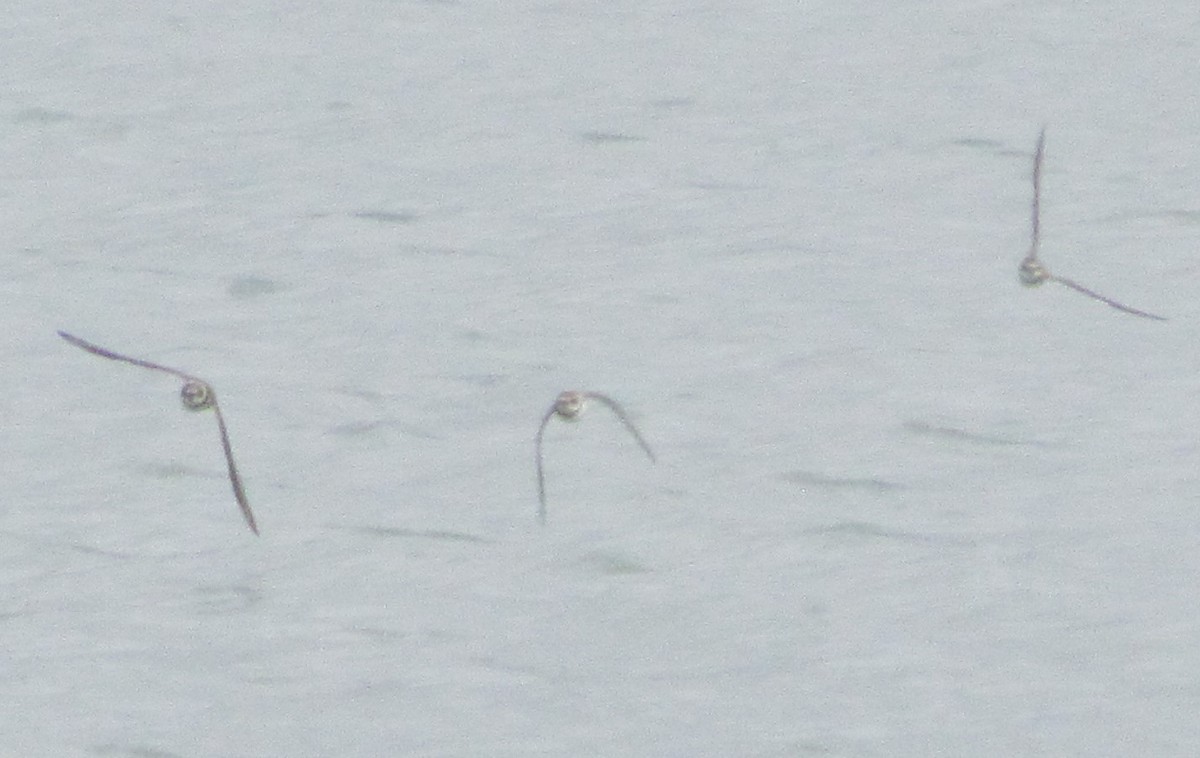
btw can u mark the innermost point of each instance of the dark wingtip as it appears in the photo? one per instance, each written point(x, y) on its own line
point(250, 520)
point(76, 341)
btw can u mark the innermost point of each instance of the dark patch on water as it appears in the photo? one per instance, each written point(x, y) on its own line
point(608, 138)
point(1183, 216)
point(613, 564)
point(924, 429)
point(483, 380)
point(811, 478)
point(439, 535)
point(811, 748)
point(221, 601)
point(387, 217)
point(355, 428)
point(979, 143)
point(175, 470)
point(132, 751)
point(371, 396)
point(866, 529)
point(723, 186)
point(93, 550)
point(364, 428)
point(441, 251)
point(41, 116)
point(246, 287)
point(670, 103)
point(497, 664)
point(377, 634)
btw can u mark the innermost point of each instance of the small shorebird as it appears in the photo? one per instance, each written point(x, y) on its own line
point(1032, 273)
point(197, 395)
point(569, 406)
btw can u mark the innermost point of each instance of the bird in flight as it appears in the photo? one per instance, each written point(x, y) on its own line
point(569, 406)
point(1033, 273)
point(197, 395)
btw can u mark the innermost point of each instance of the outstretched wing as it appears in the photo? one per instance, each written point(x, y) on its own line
point(234, 479)
point(541, 479)
point(1107, 301)
point(1036, 215)
point(104, 353)
point(620, 413)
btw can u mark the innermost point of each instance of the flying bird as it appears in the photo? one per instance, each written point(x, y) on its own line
point(1033, 272)
point(197, 395)
point(569, 406)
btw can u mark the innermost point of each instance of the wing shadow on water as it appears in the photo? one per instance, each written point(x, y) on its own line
point(174, 470)
point(41, 116)
point(867, 529)
point(396, 532)
point(86, 549)
point(598, 137)
point(369, 427)
point(114, 750)
point(56, 549)
point(925, 429)
point(386, 217)
point(984, 145)
point(249, 287)
point(224, 600)
point(1183, 216)
point(609, 563)
point(817, 480)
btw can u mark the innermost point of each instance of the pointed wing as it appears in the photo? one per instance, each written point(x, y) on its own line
point(1107, 301)
point(234, 478)
point(103, 353)
point(541, 479)
point(620, 413)
point(1037, 196)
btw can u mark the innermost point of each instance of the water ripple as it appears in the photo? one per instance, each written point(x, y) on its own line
point(812, 478)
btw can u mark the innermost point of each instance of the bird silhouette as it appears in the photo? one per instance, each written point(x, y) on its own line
point(569, 405)
point(197, 395)
point(1033, 272)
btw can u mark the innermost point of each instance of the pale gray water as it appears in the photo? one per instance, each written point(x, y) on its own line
point(903, 507)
